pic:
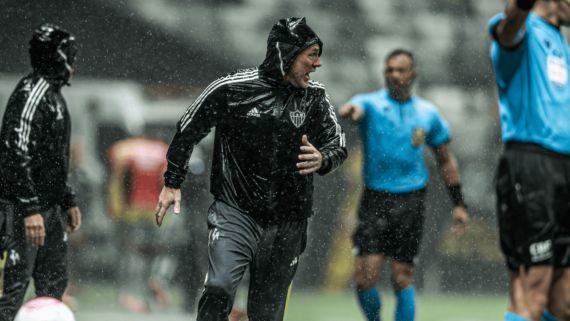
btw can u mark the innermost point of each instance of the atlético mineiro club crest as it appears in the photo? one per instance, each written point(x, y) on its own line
point(297, 117)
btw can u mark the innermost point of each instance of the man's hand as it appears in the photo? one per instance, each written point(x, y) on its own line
point(168, 196)
point(74, 221)
point(35, 231)
point(312, 157)
point(351, 112)
point(460, 218)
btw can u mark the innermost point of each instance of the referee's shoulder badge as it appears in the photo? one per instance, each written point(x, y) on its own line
point(418, 137)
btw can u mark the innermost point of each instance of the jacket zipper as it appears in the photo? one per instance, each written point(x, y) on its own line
point(277, 117)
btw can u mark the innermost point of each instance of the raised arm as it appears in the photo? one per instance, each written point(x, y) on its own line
point(511, 30)
point(352, 112)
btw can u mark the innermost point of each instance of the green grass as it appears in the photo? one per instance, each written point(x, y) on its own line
point(101, 301)
point(327, 307)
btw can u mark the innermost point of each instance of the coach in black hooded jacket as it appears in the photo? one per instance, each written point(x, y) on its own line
point(260, 121)
point(274, 127)
point(34, 161)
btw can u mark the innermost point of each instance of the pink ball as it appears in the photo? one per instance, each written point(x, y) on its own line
point(45, 309)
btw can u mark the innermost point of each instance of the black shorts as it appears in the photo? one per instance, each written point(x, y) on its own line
point(533, 206)
point(390, 224)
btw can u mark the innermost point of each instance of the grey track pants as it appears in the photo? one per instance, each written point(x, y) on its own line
point(272, 253)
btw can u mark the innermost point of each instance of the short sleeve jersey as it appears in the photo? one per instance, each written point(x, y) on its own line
point(395, 135)
point(534, 94)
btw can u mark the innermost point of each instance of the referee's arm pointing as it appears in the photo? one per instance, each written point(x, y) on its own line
point(352, 112)
point(450, 173)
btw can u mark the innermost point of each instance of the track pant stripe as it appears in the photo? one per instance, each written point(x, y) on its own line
point(207, 90)
point(25, 111)
point(2, 265)
point(287, 300)
point(197, 106)
point(30, 116)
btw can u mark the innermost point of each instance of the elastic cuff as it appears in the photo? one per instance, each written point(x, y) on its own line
point(456, 196)
point(29, 210)
point(173, 180)
point(325, 166)
point(67, 204)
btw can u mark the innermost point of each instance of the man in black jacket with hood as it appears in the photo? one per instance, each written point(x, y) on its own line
point(34, 162)
point(274, 128)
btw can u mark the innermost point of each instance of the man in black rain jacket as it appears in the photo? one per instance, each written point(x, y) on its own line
point(274, 128)
point(34, 161)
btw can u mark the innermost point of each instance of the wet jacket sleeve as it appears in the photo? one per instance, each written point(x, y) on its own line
point(204, 113)
point(68, 198)
point(331, 139)
point(23, 130)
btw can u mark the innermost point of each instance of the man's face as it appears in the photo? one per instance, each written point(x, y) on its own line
point(399, 72)
point(305, 63)
point(556, 12)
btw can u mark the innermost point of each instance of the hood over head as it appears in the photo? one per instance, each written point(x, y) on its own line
point(287, 39)
point(52, 53)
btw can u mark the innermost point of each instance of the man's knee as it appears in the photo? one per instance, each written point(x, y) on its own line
point(529, 291)
point(559, 299)
point(403, 279)
point(364, 279)
point(402, 275)
point(219, 288)
point(367, 270)
point(538, 303)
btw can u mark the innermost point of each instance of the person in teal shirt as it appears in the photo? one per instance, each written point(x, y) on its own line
point(530, 59)
point(396, 127)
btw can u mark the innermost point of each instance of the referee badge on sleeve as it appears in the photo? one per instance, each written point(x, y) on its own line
point(418, 137)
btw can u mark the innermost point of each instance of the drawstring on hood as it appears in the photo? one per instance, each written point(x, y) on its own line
point(287, 39)
point(52, 53)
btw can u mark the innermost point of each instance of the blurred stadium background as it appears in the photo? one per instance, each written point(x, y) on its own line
point(142, 62)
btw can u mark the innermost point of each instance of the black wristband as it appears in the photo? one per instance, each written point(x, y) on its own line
point(525, 4)
point(456, 196)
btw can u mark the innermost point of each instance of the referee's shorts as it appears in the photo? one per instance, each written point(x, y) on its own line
point(272, 253)
point(533, 206)
point(390, 224)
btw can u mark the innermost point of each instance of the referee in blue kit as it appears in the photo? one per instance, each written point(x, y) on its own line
point(396, 127)
point(530, 60)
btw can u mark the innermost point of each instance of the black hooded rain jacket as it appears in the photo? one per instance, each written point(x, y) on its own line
point(260, 122)
point(35, 133)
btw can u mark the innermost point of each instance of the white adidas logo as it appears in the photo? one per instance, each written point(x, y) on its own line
point(294, 262)
point(253, 113)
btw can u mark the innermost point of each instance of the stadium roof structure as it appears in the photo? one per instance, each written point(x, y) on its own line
point(113, 42)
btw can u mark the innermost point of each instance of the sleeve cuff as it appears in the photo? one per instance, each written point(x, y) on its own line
point(29, 209)
point(173, 179)
point(325, 167)
point(68, 203)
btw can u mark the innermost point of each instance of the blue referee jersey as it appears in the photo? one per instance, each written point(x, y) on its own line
point(395, 136)
point(534, 94)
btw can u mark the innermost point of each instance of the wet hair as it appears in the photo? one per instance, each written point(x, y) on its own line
point(398, 52)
